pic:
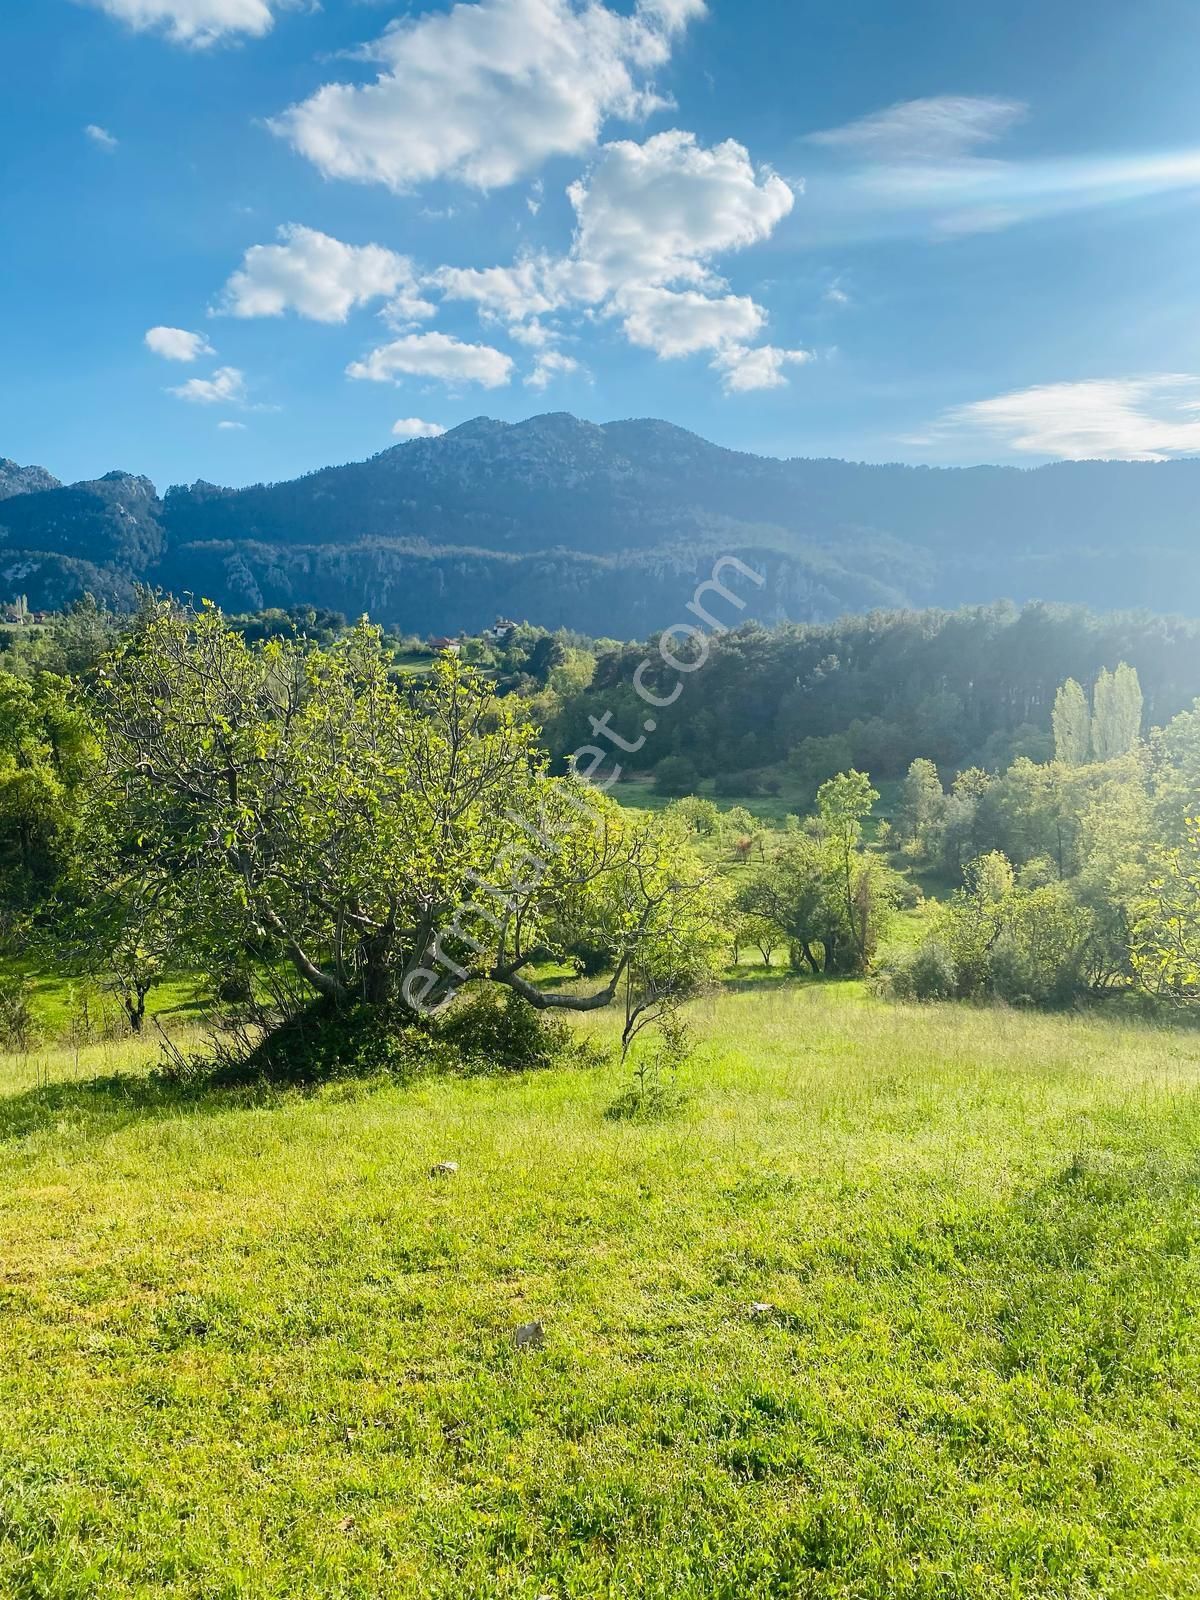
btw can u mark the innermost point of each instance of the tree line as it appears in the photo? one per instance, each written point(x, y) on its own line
point(279, 803)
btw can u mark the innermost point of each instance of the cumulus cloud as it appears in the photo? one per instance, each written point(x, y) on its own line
point(416, 428)
point(679, 322)
point(925, 130)
point(485, 93)
point(745, 369)
point(101, 136)
point(197, 23)
point(549, 365)
point(658, 212)
point(533, 286)
point(177, 344)
point(651, 220)
point(320, 277)
point(226, 386)
point(231, 427)
point(1148, 418)
point(435, 355)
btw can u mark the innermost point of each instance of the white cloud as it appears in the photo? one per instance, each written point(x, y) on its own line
point(534, 335)
point(321, 278)
point(549, 365)
point(1149, 418)
point(177, 344)
point(435, 355)
point(678, 323)
point(658, 212)
point(226, 386)
point(923, 130)
point(924, 167)
point(975, 196)
point(531, 287)
point(232, 427)
point(486, 92)
point(651, 219)
point(744, 369)
point(101, 136)
point(416, 428)
point(198, 23)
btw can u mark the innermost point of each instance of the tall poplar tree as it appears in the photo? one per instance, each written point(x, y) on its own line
point(1116, 713)
point(1072, 725)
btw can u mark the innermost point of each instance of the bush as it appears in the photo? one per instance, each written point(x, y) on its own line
point(18, 1025)
point(726, 784)
point(676, 775)
point(698, 814)
point(589, 960)
point(315, 1043)
point(492, 1030)
point(928, 973)
point(496, 1031)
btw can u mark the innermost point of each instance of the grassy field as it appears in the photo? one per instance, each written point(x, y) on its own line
point(900, 1303)
point(772, 809)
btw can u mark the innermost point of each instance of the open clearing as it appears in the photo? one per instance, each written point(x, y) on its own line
point(251, 1348)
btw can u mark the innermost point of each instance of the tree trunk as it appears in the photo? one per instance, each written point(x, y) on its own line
point(135, 1008)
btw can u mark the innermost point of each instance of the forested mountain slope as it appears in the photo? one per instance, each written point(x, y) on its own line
point(600, 527)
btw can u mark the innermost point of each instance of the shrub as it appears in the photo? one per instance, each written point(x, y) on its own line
point(589, 960)
point(18, 1025)
point(676, 775)
point(928, 973)
point(498, 1031)
point(654, 1094)
point(726, 784)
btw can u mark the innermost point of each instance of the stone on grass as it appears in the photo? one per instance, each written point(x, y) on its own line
point(443, 1169)
point(529, 1336)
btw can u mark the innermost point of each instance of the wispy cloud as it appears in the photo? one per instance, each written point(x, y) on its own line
point(101, 136)
point(928, 166)
point(932, 129)
point(1148, 418)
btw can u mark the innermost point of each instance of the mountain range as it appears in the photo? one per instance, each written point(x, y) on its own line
point(607, 528)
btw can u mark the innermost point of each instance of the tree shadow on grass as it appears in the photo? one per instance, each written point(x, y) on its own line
point(770, 980)
point(300, 1058)
point(109, 1104)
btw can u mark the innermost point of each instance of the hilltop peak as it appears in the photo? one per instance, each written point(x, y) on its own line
point(15, 479)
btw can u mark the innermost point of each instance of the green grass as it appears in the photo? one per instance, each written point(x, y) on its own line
point(418, 662)
point(641, 794)
point(249, 1348)
point(66, 1007)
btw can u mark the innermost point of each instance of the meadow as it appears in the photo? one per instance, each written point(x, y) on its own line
point(893, 1302)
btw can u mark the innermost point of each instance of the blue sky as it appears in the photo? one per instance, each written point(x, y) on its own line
point(246, 238)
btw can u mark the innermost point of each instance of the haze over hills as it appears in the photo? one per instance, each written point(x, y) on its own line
point(606, 528)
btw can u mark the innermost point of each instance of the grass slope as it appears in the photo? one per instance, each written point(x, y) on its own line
point(249, 1348)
